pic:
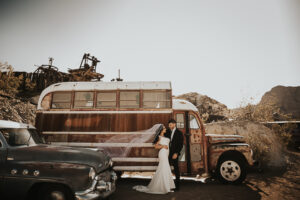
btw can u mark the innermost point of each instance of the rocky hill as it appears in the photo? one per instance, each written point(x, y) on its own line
point(287, 99)
point(209, 108)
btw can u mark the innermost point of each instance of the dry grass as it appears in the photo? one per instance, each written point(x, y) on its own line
point(9, 83)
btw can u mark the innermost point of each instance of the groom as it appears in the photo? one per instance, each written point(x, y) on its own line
point(175, 146)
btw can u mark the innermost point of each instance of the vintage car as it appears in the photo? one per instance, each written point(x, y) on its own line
point(122, 119)
point(31, 169)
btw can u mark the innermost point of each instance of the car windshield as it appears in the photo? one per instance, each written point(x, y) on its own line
point(21, 136)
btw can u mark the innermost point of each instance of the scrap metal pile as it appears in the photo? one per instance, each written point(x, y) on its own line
point(86, 71)
point(46, 75)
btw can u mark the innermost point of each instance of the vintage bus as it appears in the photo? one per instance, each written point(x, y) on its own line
point(122, 118)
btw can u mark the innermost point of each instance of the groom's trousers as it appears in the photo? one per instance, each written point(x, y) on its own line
point(174, 163)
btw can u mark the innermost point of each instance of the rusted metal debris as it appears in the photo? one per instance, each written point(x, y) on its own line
point(86, 71)
point(46, 75)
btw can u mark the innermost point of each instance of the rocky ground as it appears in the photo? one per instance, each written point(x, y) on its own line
point(278, 183)
point(16, 109)
point(275, 184)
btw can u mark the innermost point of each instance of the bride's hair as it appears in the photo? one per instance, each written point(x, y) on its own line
point(158, 131)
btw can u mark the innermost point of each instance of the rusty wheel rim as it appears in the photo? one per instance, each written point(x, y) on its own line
point(230, 170)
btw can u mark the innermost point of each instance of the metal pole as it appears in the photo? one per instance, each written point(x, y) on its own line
point(187, 135)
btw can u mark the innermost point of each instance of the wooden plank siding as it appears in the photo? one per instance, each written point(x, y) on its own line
point(100, 122)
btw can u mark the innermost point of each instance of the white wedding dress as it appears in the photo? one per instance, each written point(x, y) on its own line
point(162, 181)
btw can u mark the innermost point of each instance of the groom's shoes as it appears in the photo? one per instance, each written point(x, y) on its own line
point(177, 186)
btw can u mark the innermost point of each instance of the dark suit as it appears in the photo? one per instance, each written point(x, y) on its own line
point(175, 146)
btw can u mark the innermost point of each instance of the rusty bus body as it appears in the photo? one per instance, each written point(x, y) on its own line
point(121, 118)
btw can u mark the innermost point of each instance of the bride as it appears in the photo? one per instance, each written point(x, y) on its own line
point(162, 181)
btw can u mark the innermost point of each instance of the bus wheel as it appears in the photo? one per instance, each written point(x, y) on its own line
point(231, 170)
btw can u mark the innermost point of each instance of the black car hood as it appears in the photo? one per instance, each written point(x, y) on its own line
point(50, 153)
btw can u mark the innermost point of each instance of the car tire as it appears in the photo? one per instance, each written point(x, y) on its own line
point(119, 174)
point(55, 192)
point(231, 170)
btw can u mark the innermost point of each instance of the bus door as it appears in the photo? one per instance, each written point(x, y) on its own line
point(191, 156)
point(179, 116)
point(195, 143)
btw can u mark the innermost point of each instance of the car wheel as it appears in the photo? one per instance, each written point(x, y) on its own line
point(231, 170)
point(55, 192)
point(119, 174)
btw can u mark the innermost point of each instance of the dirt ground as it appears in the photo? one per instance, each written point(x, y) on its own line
point(269, 184)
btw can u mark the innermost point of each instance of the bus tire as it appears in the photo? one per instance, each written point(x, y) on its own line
point(231, 170)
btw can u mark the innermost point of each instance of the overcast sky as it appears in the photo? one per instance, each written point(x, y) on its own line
point(230, 50)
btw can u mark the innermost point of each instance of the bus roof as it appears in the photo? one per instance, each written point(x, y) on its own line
point(180, 104)
point(99, 85)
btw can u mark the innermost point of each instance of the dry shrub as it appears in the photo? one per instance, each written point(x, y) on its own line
point(258, 113)
point(29, 86)
point(8, 82)
point(266, 112)
point(12, 84)
point(284, 131)
point(268, 143)
point(267, 146)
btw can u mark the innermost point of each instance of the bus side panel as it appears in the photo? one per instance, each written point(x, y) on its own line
point(100, 122)
point(107, 131)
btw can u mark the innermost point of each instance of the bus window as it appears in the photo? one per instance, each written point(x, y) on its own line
point(106, 100)
point(182, 154)
point(84, 100)
point(180, 120)
point(61, 100)
point(130, 99)
point(153, 99)
point(193, 122)
point(46, 102)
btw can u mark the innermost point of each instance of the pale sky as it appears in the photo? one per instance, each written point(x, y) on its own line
point(230, 50)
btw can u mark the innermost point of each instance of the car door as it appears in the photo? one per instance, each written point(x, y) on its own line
point(3, 153)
